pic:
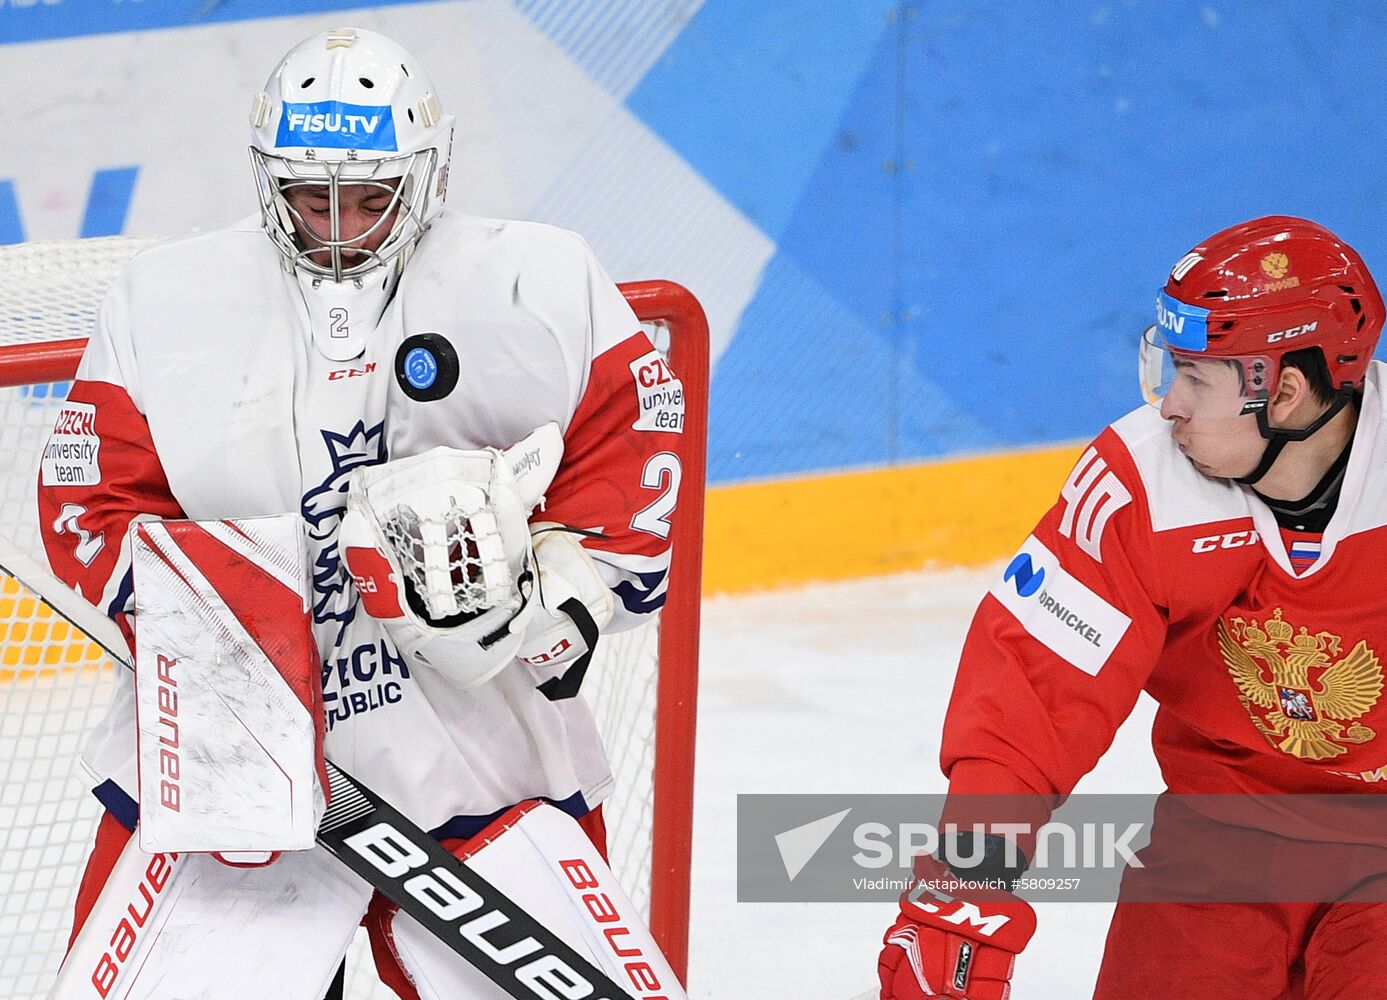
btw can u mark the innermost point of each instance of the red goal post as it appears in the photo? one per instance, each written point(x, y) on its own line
point(48, 295)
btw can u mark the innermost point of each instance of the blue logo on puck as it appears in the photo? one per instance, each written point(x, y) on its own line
point(426, 367)
point(421, 367)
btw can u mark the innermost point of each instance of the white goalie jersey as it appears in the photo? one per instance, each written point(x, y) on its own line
point(208, 392)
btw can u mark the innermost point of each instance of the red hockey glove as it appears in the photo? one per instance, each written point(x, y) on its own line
point(951, 942)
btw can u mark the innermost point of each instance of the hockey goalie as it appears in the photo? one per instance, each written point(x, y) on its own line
point(368, 491)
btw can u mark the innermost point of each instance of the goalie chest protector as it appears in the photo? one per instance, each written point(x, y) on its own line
point(249, 419)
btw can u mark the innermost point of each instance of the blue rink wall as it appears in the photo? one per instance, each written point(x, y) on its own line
point(940, 225)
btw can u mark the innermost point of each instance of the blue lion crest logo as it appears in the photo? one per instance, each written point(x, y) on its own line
point(323, 507)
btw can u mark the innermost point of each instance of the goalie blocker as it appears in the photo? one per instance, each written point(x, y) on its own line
point(228, 701)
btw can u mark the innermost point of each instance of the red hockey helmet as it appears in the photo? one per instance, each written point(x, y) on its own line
point(1259, 290)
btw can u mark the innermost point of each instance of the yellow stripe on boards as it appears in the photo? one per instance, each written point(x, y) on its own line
point(959, 512)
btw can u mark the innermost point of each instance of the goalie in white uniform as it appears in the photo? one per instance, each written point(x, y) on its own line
point(231, 376)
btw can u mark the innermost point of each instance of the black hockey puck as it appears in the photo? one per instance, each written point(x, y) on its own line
point(426, 367)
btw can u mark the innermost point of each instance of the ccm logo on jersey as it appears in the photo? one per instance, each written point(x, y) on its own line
point(1059, 610)
point(660, 394)
point(601, 908)
point(341, 373)
point(1232, 540)
point(127, 932)
point(1295, 331)
point(1092, 494)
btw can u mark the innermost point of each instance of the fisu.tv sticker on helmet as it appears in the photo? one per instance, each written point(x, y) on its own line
point(334, 125)
point(660, 394)
point(1185, 327)
point(72, 457)
point(426, 367)
point(1058, 610)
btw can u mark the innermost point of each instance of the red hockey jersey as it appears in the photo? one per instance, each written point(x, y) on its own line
point(1148, 575)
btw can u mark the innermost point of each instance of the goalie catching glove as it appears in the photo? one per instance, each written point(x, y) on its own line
point(439, 547)
point(953, 942)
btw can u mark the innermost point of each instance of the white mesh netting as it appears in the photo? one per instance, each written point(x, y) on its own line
point(54, 688)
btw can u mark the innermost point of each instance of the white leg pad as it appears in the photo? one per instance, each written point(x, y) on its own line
point(540, 857)
point(190, 927)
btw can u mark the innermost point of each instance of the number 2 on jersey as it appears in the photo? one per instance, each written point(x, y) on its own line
point(662, 472)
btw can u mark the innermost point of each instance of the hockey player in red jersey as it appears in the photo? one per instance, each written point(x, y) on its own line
point(1221, 549)
point(390, 373)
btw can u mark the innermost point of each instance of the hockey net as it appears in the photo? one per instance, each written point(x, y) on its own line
point(55, 686)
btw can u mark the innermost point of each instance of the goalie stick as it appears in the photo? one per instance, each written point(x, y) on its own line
point(392, 854)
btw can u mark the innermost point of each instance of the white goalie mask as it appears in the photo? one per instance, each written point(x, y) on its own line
point(347, 116)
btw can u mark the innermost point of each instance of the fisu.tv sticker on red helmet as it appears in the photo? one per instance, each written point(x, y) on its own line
point(335, 125)
point(1185, 327)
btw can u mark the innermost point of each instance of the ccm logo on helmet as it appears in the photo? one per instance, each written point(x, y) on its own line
point(1232, 540)
point(1295, 331)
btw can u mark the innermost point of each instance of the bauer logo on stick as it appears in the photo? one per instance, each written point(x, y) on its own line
point(426, 367)
point(334, 125)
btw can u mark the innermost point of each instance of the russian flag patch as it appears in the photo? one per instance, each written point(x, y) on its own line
point(1304, 554)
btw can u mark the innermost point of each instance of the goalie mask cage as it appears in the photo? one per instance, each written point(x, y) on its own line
point(55, 686)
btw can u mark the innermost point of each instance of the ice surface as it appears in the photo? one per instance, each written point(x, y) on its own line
point(842, 688)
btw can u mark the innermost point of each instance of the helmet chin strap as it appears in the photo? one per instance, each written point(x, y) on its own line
point(1279, 437)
